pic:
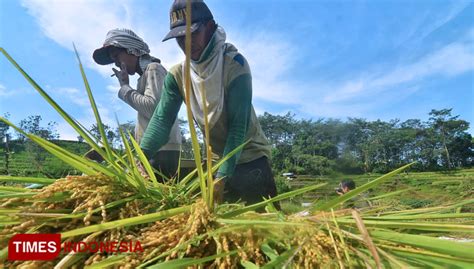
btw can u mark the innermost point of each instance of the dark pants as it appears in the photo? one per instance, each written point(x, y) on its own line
point(165, 161)
point(251, 181)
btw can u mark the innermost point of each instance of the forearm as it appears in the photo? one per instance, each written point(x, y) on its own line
point(159, 127)
point(235, 138)
point(239, 107)
point(143, 104)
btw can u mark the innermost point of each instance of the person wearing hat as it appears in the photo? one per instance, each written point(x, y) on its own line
point(131, 54)
point(224, 73)
point(345, 186)
point(360, 201)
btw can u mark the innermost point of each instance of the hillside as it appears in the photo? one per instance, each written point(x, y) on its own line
point(25, 160)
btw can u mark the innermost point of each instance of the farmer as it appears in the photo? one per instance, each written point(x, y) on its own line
point(224, 73)
point(357, 202)
point(131, 54)
point(345, 186)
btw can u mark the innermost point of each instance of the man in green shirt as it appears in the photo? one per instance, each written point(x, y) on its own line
point(224, 73)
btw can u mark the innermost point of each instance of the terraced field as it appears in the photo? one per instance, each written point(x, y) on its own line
point(21, 163)
point(407, 190)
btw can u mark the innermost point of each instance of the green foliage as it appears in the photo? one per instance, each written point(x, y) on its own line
point(282, 185)
point(4, 128)
point(110, 134)
point(186, 146)
point(32, 125)
point(20, 163)
point(360, 146)
point(404, 191)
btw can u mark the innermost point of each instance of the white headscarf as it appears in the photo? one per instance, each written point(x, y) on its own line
point(208, 75)
point(127, 39)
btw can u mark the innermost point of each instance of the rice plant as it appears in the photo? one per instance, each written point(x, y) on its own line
point(178, 225)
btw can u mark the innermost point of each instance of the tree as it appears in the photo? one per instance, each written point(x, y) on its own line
point(314, 165)
point(359, 145)
point(32, 125)
point(4, 128)
point(358, 139)
point(110, 135)
point(186, 145)
point(280, 131)
point(462, 150)
point(128, 129)
point(450, 131)
point(5, 138)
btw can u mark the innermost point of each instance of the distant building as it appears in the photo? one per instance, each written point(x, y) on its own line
point(289, 176)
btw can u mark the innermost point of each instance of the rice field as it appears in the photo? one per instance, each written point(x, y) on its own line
point(177, 224)
point(407, 190)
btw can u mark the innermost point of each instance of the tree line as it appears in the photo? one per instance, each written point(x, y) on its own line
point(323, 146)
point(357, 145)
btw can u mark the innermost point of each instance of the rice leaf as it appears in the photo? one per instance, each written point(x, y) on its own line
point(341, 199)
point(143, 159)
point(282, 260)
point(282, 196)
point(423, 261)
point(66, 117)
point(269, 251)
point(185, 262)
point(453, 248)
point(189, 113)
point(100, 126)
point(9, 189)
point(38, 180)
point(390, 194)
point(249, 265)
point(430, 226)
point(260, 222)
point(126, 222)
point(422, 216)
point(366, 236)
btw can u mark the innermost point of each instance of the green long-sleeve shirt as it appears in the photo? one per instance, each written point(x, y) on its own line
point(237, 123)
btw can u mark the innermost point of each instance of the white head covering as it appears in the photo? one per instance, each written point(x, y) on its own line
point(207, 75)
point(121, 38)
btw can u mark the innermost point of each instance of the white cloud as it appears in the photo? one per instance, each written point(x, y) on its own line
point(86, 119)
point(66, 131)
point(8, 91)
point(85, 115)
point(79, 21)
point(3, 91)
point(272, 58)
point(86, 23)
point(354, 97)
point(443, 18)
point(74, 95)
point(451, 60)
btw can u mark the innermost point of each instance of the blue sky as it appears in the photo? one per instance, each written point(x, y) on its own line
point(369, 59)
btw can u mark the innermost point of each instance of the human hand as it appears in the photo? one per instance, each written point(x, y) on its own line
point(94, 156)
point(122, 75)
point(219, 191)
point(142, 170)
